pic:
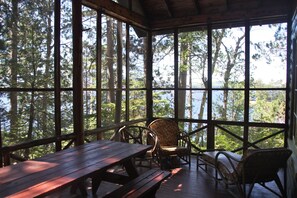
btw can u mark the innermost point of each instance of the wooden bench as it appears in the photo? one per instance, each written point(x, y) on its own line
point(145, 185)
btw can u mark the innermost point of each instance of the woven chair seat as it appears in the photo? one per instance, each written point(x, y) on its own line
point(174, 150)
point(171, 141)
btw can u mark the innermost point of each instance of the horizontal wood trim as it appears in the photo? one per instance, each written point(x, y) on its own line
point(113, 126)
point(34, 143)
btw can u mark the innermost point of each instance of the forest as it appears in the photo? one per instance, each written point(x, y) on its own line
point(229, 90)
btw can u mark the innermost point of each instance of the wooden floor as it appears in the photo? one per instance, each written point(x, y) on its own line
point(185, 182)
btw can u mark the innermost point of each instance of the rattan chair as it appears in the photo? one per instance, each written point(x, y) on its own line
point(141, 135)
point(172, 142)
point(255, 166)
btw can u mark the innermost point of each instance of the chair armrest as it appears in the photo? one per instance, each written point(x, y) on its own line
point(155, 142)
point(224, 159)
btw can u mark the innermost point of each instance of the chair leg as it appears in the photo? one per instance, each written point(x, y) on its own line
point(280, 186)
point(189, 160)
point(242, 189)
point(186, 159)
point(216, 176)
point(250, 190)
point(162, 162)
point(197, 160)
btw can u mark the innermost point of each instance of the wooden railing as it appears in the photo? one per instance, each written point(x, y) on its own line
point(7, 153)
point(281, 129)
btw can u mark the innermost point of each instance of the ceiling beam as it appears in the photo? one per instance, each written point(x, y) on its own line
point(197, 5)
point(168, 7)
point(117, 11)
point(141, 4)
point(227, 4)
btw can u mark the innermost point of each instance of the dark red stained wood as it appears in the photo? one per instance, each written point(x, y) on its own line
point(141, 185)
point(59, 170)
point(21, 169)
point(152, 182)
point(77, 73)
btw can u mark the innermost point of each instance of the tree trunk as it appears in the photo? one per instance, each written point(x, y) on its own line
point(14, 67)
point(32, 100)
point(232, 56)
point(110, 62)
point(118, 106)
point(47, 68)
point(204, 96)
point(218, 42)
point(183, 68)
point(191, 94)
point(31, 122)
point(217, 39)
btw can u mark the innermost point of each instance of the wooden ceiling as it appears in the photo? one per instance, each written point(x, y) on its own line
point(166, 13)
point(169, 14)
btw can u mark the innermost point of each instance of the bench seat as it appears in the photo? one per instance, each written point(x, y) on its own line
point(145, 185)
point(209, 157)
point(206, 159)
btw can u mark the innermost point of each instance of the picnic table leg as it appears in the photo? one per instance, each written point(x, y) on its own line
point(130, 169)
point(96, 180)
point(81, 186)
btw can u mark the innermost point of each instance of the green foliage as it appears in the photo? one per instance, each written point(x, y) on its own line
point(258, 133)
point(223, 140)
point(162, 106)
point(268, 106)
point(108, 112)
point(137, 105)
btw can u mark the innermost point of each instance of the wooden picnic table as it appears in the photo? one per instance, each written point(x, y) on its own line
point(70, 167)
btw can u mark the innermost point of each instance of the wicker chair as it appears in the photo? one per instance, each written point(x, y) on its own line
point(255, 166)
point(172, 142)
point(141, 135)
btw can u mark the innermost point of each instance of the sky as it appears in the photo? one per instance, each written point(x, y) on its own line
point(267, 72)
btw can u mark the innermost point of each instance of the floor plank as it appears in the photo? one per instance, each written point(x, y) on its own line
point(185, 182)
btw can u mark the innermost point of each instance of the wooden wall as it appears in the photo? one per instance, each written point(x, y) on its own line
point(292, 142)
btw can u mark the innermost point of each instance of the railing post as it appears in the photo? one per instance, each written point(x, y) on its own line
point(6, 158)
point(210, 136)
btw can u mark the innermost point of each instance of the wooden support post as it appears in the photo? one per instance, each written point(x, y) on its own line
point(57, 65)
point(77, 72)
point(246, 86)
point(210, 128)
point(149, 78)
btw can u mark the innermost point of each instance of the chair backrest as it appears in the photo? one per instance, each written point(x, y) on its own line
point(166, 130)
point(131, 134)
point(262, 164)
point(138, 135)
